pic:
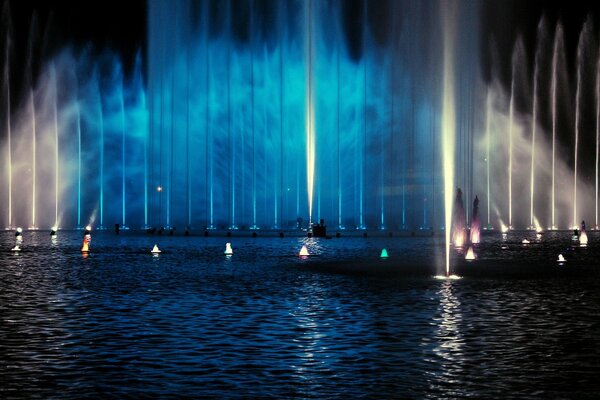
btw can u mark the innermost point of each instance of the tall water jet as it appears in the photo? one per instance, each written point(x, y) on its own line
point(510, 143)
point(310, 139)
point(33, 157)
point(557, 53)
point(123, 152)
point(79, 165)
point(32, 110)
point(581, 49)
point(488, 139)
point(101, 120)
point(533, 129)
point(577, 116)
point(8, 123)
point(449, 15)
point(515, 60)
point(56, 145)
point(597, 159)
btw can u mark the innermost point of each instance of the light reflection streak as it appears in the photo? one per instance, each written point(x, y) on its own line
point(448, 338)
point(310, 349)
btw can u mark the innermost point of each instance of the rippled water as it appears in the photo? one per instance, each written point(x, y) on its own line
point(342, 323)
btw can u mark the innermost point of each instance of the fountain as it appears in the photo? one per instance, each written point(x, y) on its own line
point(459, 228)
point(271, 151)
point(259, 117)
point(475, 231)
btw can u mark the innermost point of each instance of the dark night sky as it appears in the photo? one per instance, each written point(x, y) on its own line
point(502, 21)
point(121, 25)
point(110, 25)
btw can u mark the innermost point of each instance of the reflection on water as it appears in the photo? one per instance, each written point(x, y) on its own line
point(448, 339)
point(194, 322)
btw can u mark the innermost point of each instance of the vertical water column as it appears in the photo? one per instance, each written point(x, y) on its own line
point(232, 146)
point(188, 192)
point(123, 158)
point(449, 15)
point(488, 139)
point(576, 146)
point(510, 138)
point(363, 153)
point(533, 134)
point(8, 129)
point(101, 120)
point(78, 109)
point(554, 88)
point(208, 135)
point(56, 171)
point(581, 49)
point(280, 26)
point(339, 160)
point(597, 139)
point(33, 156)
point(310, 139)
point(146, 144)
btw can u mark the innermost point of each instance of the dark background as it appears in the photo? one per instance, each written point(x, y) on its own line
point(120, 26)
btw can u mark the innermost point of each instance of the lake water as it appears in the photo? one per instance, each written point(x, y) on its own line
point(341, 323)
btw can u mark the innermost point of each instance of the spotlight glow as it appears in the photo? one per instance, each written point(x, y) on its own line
point(447, 277)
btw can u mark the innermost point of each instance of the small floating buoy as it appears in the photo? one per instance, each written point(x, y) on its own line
point(384, 253)
point(85, 248)
point(16, 248)
point(155, 250)
point(470, 254)
point(304, 251)
point(228, 249)
point(561, 259)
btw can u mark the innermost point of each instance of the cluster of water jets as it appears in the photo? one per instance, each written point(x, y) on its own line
point(471, 238)
point(541, 138)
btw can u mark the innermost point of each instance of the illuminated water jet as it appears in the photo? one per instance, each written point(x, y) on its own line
point(448, 120)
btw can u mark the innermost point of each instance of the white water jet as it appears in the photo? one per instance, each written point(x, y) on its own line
point(533, 130)
point(488, 112)
point(33, 158)
point(597, 140)
point(56, 145)
point(310, 119)
point(510, 138)
point(580, 50)
point(557, 48)
point(448, 119)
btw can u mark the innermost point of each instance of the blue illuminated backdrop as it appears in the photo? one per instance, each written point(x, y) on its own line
point(240, 94)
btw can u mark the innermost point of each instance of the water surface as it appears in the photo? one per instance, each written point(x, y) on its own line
point(342, 323)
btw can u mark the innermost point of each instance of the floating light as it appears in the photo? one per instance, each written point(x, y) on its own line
point(470, 256)
point(304, 251)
